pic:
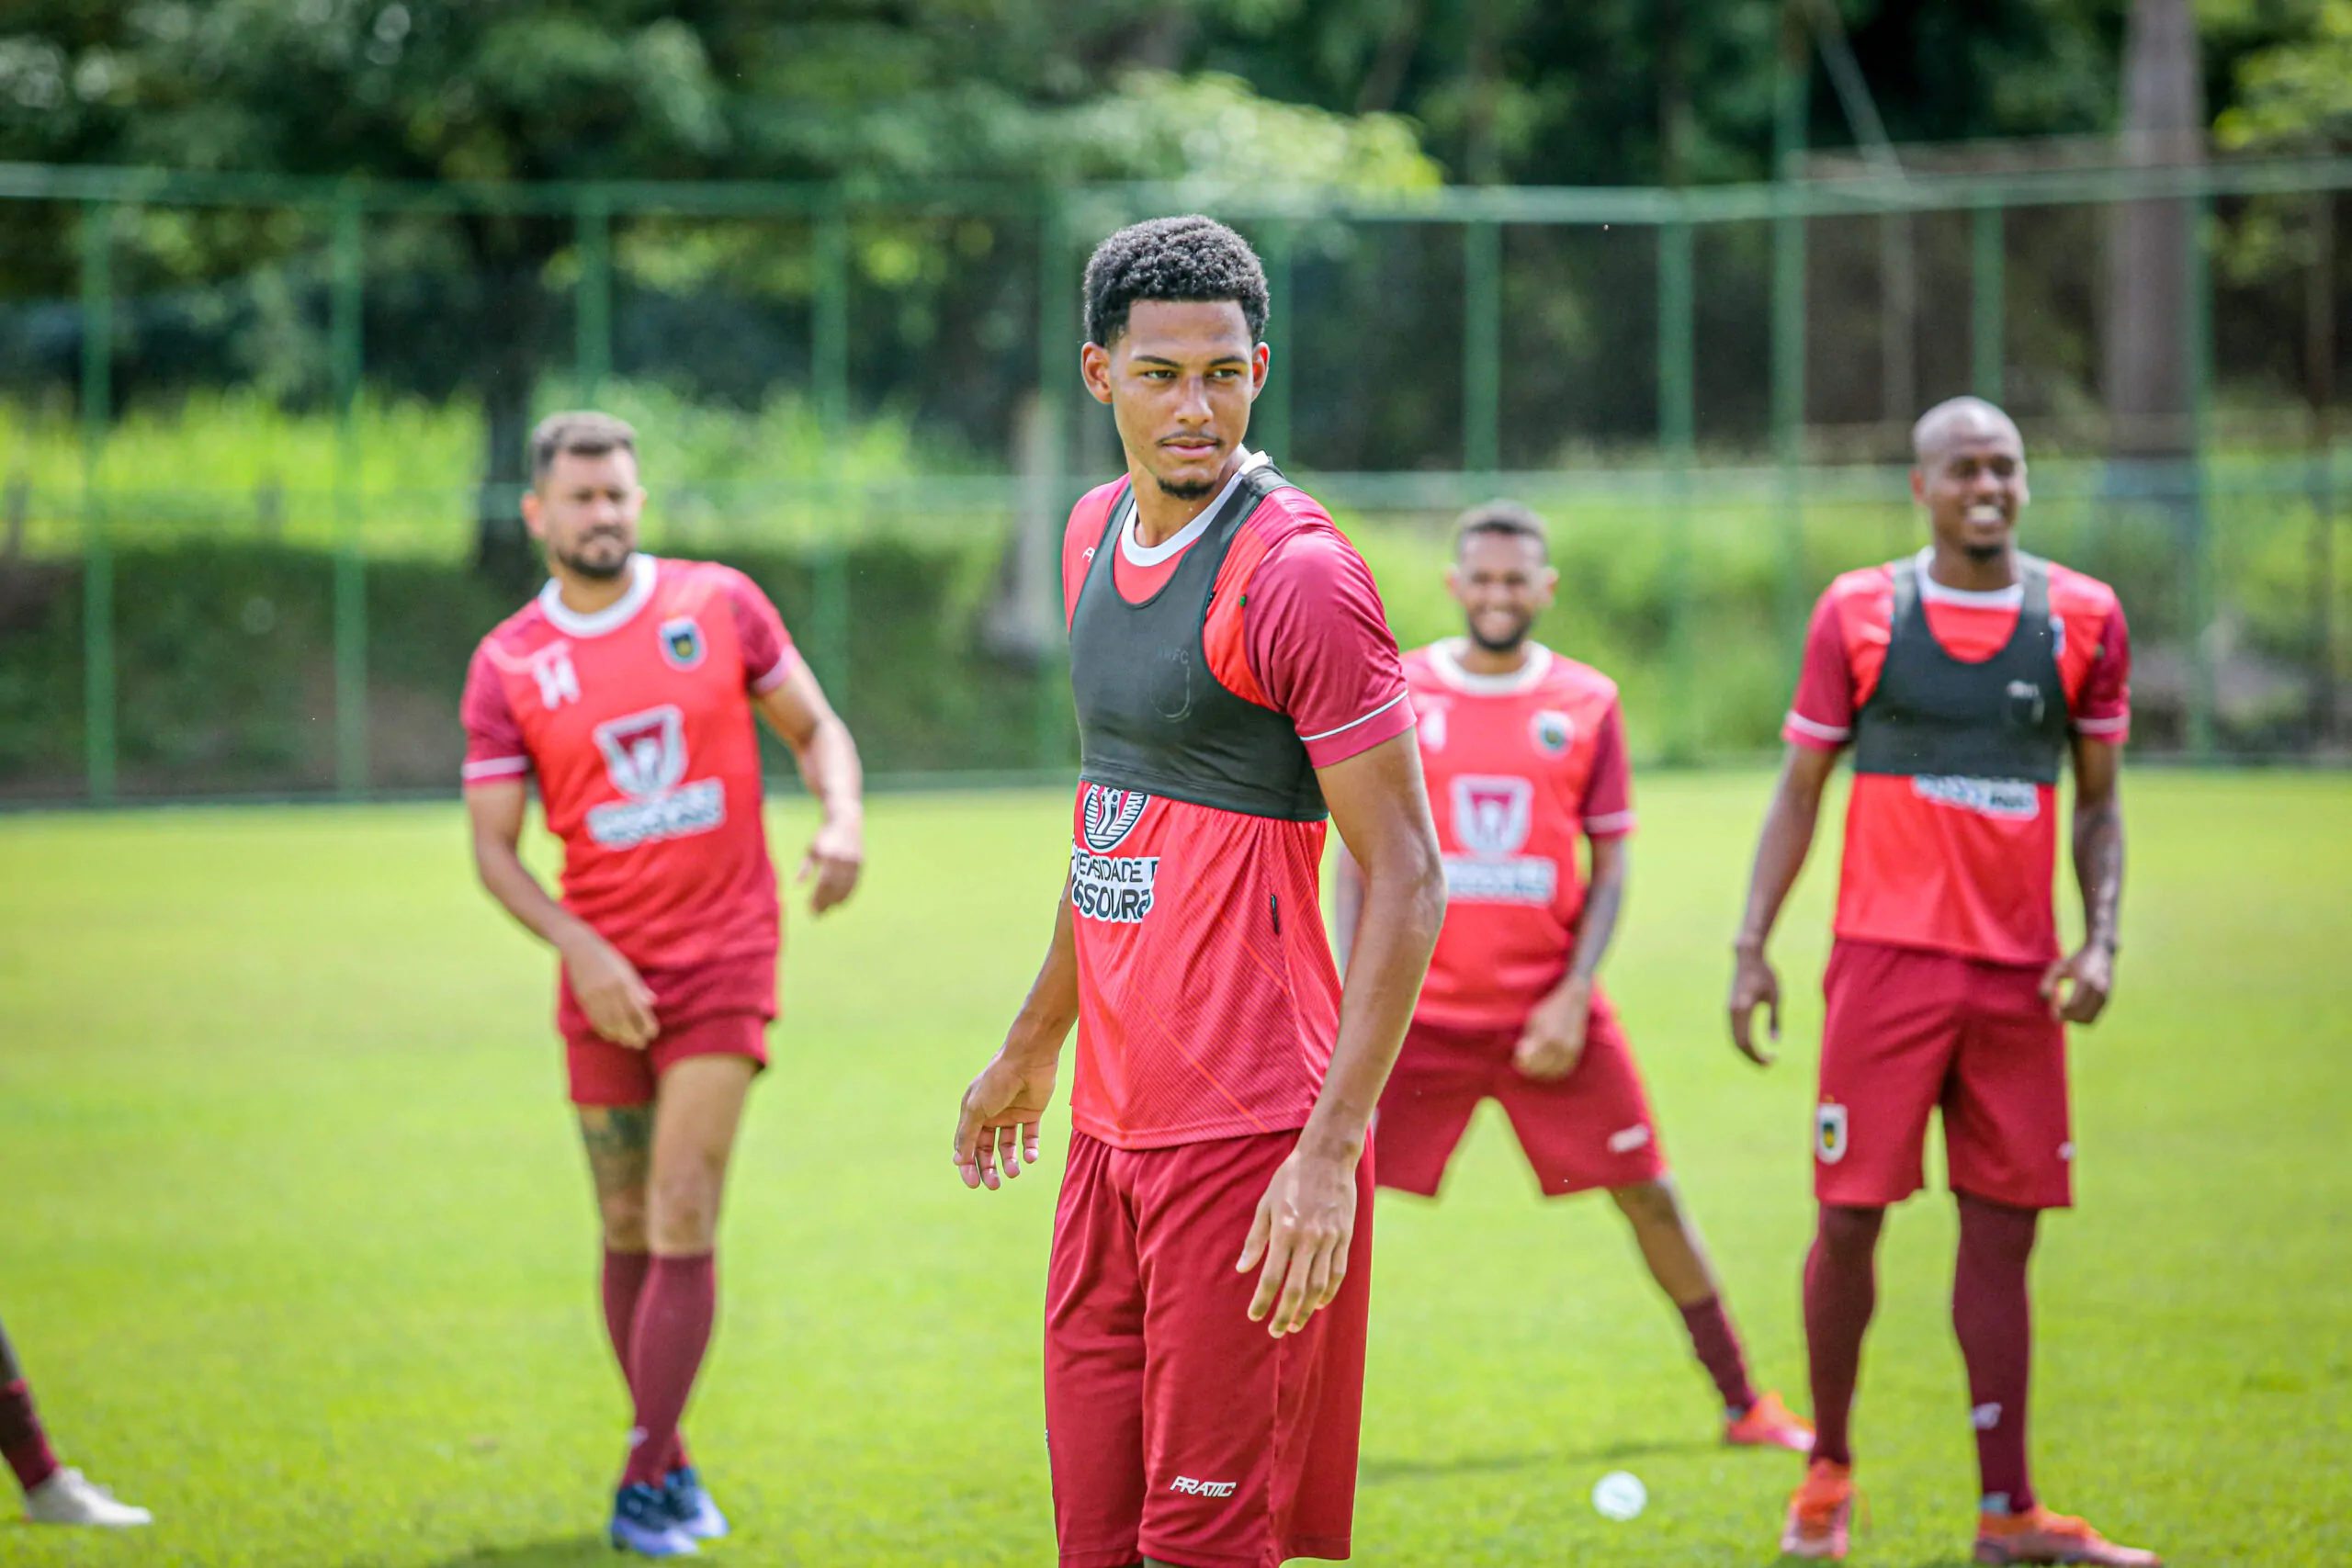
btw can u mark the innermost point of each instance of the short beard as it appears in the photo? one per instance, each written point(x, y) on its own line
point(1499, 645)
point(594, 570)
point(1984, 555)
point(1188, 489)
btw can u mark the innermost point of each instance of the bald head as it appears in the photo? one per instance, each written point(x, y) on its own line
point(1958, 420)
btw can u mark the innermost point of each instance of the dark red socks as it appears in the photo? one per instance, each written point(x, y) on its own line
point(624, 1283)
point(667, 1339)
point(1992, 1314)
point(1840, 1291)
point(22, 1442)
point(1717, 1344)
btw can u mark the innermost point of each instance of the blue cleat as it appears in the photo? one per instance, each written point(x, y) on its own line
point(642, 1523)
point(691, 1508)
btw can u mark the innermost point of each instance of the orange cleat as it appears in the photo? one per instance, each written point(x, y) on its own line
point(1770, 1423)
point(1821, 1512)
point(2042, 1536)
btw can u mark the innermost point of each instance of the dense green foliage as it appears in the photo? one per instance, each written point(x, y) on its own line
point(300, 1252)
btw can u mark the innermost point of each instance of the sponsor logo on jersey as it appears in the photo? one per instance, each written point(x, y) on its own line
point(2007, 800)
point(1492, 816)
point(558, 683)
point(1111, 816)
point(1103, 887)
point(682, 643)
point(1829, 1133)
point(1552, 731)
point(1191, 1488)
point(645, 755)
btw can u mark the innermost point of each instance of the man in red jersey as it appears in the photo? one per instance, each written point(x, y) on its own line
point(1961, 678)
point(1524, 753)
point(628, 688)
point(1236, 683)
point(54, 1493)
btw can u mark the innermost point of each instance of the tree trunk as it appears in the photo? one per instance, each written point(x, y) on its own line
point(2146, 350)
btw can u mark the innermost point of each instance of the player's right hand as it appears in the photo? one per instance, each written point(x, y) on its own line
point(998, 1121)
point(618, 1002)
point(1754, 985)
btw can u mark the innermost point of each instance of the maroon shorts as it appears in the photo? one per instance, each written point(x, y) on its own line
point(1177, 1429)
point(1590, 1129)
point(1909, 1030)
point(713, 1009)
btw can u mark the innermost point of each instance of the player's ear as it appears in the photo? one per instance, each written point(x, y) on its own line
point(535, 518)
point(1094, 369)
point(1919, 484)
point(1261, 361)
point(1547, 583)
point(1453, 579)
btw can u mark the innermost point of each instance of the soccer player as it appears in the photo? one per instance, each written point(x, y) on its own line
point(1524, 753)
point(627, 689)
point(1235, 684)
point(54, 1493)
point(1961, 678)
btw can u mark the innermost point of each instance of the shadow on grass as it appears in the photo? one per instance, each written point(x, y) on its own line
point(572, 1551)
point(1381, 1471)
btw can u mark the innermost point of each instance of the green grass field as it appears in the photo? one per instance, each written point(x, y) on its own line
point(295, 1237)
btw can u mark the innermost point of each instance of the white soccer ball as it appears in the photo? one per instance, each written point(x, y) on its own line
point(1619, 1495)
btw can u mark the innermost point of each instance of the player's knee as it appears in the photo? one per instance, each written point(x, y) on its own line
point(623, 1214)
point(1850, 1228)
point(1648, 1203)
point(684, 1215)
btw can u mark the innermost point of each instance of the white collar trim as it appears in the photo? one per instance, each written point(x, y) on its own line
point(1934, 593)
point(612, 616)
point(1137, 553)
point(1445, 659)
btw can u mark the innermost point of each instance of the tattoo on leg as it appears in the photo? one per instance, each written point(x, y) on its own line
point(619, 1139)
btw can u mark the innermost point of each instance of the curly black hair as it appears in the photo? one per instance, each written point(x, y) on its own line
point(1171, 258)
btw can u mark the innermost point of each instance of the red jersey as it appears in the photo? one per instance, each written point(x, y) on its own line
point(1520, 766)
point(636, 721)
point(1954, 870)
point(1208, 1003)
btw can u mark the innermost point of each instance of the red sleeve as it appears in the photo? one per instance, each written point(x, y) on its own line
point(2103, 707)
point(1319, 646)
point(494, 745)
point(1822, 717)
point(767, 647)
point(1608, 808)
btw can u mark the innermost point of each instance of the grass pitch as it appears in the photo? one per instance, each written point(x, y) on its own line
point(296, 1239)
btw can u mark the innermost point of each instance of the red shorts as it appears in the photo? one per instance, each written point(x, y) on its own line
point(1177, 1429)
point(1590, 1129)
point(1908, 1030)
point(713, 1009)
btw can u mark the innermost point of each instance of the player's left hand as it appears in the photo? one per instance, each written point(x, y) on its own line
point(1553, 1042)
point(835, 857)
point(1301, 1230)
point(2076, 987)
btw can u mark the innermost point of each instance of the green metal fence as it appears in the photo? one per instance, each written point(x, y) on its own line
point(1669, 484)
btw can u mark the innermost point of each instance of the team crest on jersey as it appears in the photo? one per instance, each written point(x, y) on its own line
point(645, 756)
point(1551, 730)
point(1492, 818)
point(1111, 816)
point(1115, 890)
point(1829, 1133)
point(682, 642)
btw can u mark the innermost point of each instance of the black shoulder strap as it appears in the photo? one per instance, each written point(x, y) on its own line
point(2034, 572)
point(1905, 573)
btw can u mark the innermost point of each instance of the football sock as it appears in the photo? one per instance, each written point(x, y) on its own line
point(624, 1283)
point(22, 1442)
point(1717, 1344)
point(1841, 1290)
point(666, 1345)
point(1992, 1313)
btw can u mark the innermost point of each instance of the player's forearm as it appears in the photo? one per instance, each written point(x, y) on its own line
point(1404, 904)
point(1780, 850)
point(510, 882)
point(1347, 905)
point(1596, 926)
point(2098, 868)
point(1051, 1008)
point(831, 770)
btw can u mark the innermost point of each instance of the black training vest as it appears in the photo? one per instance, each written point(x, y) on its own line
point(1931, 713)
point(1151, 717)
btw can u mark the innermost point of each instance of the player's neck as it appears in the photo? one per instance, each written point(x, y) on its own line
point(586, 595)
point(1478, 660)
point(1951, 567)
point(1161, 516)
